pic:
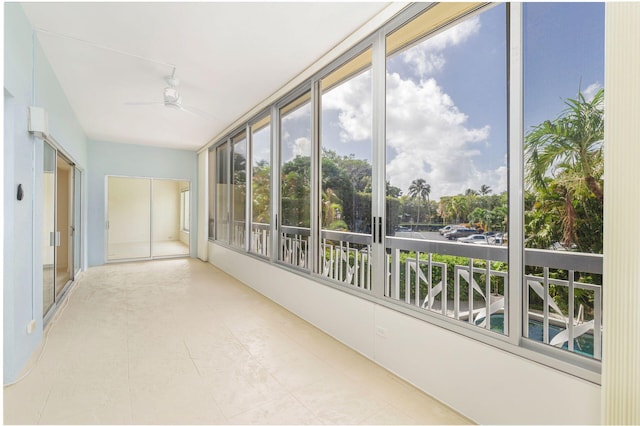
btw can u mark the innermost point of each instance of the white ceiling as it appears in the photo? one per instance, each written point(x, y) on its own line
point(228, 56)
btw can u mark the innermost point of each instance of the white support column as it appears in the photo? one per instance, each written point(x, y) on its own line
point(621, 287)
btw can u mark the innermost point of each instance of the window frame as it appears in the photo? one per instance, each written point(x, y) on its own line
point(576, 365)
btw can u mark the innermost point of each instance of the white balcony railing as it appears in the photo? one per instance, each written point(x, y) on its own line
point(465, 282)
point(261, 238)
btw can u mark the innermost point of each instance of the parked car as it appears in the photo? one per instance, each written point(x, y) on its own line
point(474, 239)
point(499, 238)
point(449, 228)
point(461, 232)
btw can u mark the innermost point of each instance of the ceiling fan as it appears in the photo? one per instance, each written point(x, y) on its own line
point(172, 98)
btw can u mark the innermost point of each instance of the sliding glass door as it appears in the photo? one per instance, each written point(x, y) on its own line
point(146, 218)
point(60, 239)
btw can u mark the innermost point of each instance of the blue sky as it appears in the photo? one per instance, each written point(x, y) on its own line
point(446, 96)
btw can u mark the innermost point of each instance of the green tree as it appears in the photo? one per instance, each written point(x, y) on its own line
point(572, 142)
point(485, 190)
point(419, 188)
point(564, 168)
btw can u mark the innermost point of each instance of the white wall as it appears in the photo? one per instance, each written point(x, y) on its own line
point(28, 80)
point(484, 383)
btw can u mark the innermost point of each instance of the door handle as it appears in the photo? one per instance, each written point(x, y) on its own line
point(57, 239)
point(374, 229)
point(52, 238)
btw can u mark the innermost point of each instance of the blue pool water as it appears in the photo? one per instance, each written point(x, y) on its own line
point(582, 345)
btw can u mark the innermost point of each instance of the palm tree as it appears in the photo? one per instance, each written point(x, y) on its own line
point(571, 141)
point(564, 161)
point(420, 188)
point(485, 190)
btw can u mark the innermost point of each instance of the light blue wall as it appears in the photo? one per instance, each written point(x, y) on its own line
point(108, 158)
point(28, 80)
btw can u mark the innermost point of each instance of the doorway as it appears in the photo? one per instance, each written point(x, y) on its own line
point(147, 218)
point(61, 255)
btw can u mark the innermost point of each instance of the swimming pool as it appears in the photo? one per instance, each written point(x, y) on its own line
point(582, 345)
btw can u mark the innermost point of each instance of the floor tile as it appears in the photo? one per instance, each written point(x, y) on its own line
point(180, 342)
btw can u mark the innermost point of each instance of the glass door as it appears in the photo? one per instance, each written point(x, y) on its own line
point(77, 221)
point(48, 238)
point(346, 173)
point(446, 166)
point(64, 223)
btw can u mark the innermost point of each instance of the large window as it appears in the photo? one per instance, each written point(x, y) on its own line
point(405, 166)
point(446, 165)
point(345, 173)
point(261, 187)
point(564, 169)
point(295, 181)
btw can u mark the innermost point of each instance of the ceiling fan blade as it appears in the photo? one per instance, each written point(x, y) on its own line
point(143, 103)
point(199, 112)
point(194, 111)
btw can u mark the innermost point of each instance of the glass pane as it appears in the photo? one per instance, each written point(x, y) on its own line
point(295, 181)
point(167, 236)
point(564, 169)
point(129, 216)
point(212, 193)
point(186, 211)
point(446, 165)
point(77, 219)
point(48, 226)
point(222, 193)
point(346, 173)
point(261, 187)
point(239, 192)
point(64, 222)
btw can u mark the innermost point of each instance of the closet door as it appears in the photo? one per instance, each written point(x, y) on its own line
point(128, 218)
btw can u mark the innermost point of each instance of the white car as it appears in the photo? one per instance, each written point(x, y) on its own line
point(474, 239)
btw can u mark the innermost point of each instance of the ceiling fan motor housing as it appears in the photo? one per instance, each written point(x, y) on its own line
point(171, 96)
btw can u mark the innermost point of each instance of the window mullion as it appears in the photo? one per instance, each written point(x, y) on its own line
point(275, 182)
point(516, 175)
point(248, 182)
point(314, 238)
point(378, 78)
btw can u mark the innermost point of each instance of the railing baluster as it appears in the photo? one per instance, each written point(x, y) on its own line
point(597, 323)
point(487, 292)
point(545, 304)
point(417, 280)
point(470, 319)
point(456, 291)
point(444, 296)
point(571, 310)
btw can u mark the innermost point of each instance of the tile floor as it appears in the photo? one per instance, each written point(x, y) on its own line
point(180, 342)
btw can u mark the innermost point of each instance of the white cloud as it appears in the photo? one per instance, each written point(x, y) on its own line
point(591, 90)
point(301, 146)
point(353, 101)
point(432, 141)
point(427, 57)
point(427, 135)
